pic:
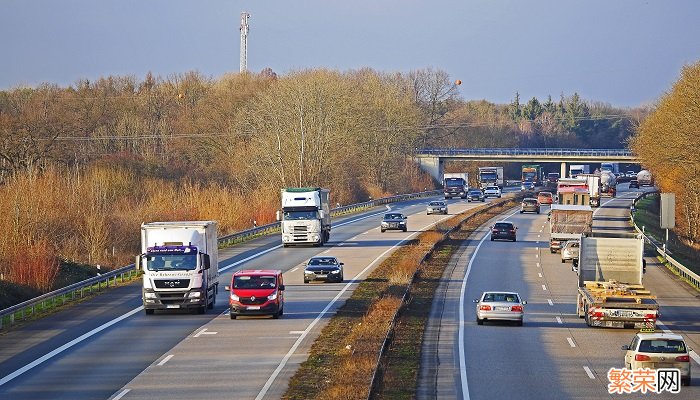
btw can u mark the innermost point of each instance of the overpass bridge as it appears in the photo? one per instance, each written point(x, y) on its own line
point(433, 160)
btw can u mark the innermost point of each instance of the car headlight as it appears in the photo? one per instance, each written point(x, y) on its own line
point(306, 272)
point(194, 294)
point(337, 271)
point(234, 297)
point(384, 223)
point(149, 295)
point(273, 296)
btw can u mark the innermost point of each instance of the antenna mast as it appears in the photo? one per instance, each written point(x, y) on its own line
point(244, 41)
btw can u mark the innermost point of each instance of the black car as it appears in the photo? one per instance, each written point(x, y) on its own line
point(475, 195)
point(394, 221)
point(634, 184)
point(324, 268)
point(503, 230)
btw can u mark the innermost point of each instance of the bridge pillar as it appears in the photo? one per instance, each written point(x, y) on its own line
point(433, 166)
point(563, 170)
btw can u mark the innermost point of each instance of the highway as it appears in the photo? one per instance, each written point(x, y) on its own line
point(554, 355)
point(107, 348)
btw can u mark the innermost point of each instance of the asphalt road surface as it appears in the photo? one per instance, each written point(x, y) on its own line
point(107, 348)
point(554, 355)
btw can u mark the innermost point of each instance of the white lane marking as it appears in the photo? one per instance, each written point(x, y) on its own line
point(692, 353)
point(538, 264)
point(67, 346)
point(539, 274)
point(544, 287)
point(205, 332)
point(559, 321)
point(122, 394)
point(327, 251)
point(296, 332)
point(537, 256)
point(387, 207)
point(462, 359)
point(571, 342)
point(588, 372)
point(550, 302)
point(294, 269)
point(166, 359)
point(313, 323)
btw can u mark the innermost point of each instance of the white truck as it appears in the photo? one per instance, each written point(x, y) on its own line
point(568, 222)
point(180, 265)
point(575, 170)
point(491, 176)
point(608, 183)
point(593, 181)
point(456, 184)
point(644, 178)
point(610, 291)
point(305, 217)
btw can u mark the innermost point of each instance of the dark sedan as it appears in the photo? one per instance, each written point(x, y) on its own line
point(475, 195)
point(324, 268)
point(503, 230)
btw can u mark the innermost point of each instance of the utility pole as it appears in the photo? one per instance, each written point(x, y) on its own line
point(244, 41)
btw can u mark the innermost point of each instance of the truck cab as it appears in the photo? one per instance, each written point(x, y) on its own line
point(256, 292)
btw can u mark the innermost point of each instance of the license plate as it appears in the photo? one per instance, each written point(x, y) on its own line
point(253, 307)
point(502, 308)
point(321, 276)
point(173, 306)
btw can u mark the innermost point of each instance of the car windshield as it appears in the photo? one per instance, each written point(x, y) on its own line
point(506, 297)
point(323, 261)
point(292, 215)
point(492, 188)
point(393, 216)
point(164, 262)
point(530, 201)
point(477, 192)
point(503, 225)
point(254, 282)
point(545, 194)
point(662, 346)
point(488, 176)
point(437, 203)
point(454, 182)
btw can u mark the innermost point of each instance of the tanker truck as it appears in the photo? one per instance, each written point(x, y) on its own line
point(644, 178)
point(608, 183)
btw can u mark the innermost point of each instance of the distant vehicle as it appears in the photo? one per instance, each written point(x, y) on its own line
point(394, 221)
point(325, 268)
point(491, 176)
point(305, 217)
point(532, 173)
point(593, 184)
point(631, 174)
point(500, 306)
point(575, 170)
point(568, 222)
point(545, 198)
point(455, 184)
point(570, 251)
point(492, 191)
point(256, 292)
point(476, 195)
point(503, 230)
point(437, 207)
point(529, 204)
point(659, 350)
point(645, 178)
point(634, 184)
point(552, 179)
point(612, 167)
point(527, 185)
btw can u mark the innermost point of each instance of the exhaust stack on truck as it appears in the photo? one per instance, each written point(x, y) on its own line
point(180, 265)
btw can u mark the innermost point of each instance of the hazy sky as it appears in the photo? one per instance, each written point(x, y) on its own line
point(624, 52)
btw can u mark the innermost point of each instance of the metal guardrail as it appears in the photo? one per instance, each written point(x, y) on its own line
point(526, 152)
point(51, 299)
point(689, 276)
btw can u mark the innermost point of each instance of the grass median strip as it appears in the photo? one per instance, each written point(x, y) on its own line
point(343, 358)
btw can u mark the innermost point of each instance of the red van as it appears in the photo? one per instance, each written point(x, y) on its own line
point(257, 292)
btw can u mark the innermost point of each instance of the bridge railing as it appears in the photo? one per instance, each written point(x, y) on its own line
point(571, 152)
point(76, 291)
point(679, 269)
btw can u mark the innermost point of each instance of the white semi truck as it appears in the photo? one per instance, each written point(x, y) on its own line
point(305, 217)
point(180, 265)
point(491, 176)
point(610, 291)
point(575, 170)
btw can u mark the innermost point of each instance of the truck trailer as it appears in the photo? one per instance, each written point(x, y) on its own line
point(610, 290)
point(180, 265)
point(305, 217)
point(567, 222)
point(593, 182)
point(456, 184)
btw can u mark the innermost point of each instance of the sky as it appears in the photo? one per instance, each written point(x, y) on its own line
point(622, 52)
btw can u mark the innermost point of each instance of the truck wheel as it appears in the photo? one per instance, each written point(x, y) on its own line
point(201, 310)
point(148, 311)
point(563, 261)
point(213, 302)
point(685, 381)
point(232, 315)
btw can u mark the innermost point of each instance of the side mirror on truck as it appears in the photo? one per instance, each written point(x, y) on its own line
point(205, 261)
point(137, 263)
point(278, 217)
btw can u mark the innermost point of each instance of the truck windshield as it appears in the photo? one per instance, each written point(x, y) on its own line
point(488, 176)
point(297, 215)
point(454, 182)
point(169, 262)
point(529, 176)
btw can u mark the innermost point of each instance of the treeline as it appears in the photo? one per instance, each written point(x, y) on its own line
point(668, 143)
point(82, 166)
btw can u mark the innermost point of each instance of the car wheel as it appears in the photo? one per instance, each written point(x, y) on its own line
point(149, 311)
point(514, 239)
point(552, 251)
point(277, 315)
point(499, 196)
point(492, 238)
point(479, 321)
point(383, 230)
point(520, 323)
point(305, 281)
point(342, 278)
point(685, 381)
point(483, 200)
point(563, 261)
point(405, 229)
point(521, 211)
point(232, 315)
point(538, 211)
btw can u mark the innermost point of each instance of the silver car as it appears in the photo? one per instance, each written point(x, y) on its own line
point(570, 251)
point(502, 306)
point(437, 207)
